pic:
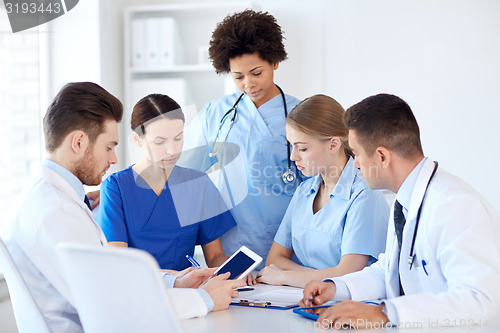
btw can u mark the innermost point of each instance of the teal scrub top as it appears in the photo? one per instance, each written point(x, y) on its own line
point(354, 221)
point(259, 197)
point(188, 212)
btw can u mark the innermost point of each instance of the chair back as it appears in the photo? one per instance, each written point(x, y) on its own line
point(117, 289)
point(26, 311)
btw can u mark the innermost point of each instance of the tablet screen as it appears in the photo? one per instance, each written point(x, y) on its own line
point(237, 265)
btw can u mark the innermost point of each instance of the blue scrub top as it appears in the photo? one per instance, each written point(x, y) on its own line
point(259, 135)
point(354, 221)
point(188, 212)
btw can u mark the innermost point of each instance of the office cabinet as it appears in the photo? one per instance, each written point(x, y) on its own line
point(166, 51)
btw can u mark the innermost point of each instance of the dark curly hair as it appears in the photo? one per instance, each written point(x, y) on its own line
point(246, 32)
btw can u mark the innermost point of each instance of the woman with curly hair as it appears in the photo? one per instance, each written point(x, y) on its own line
point(244, 133)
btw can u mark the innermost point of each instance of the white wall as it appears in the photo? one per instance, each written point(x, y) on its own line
point(86, 44)
point(441, 56)
point(111, 43)
point(74, 53)
point(111, 60)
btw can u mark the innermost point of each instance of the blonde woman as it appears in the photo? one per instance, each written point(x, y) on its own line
point(334, 224)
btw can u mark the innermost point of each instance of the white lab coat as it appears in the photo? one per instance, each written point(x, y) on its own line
point(459, 239)
point(49, 212)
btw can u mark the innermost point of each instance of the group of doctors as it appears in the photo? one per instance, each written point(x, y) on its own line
point(285, 170)
point(334, 224)
point(295, 183)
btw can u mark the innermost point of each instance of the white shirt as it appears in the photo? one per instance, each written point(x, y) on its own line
point(455, 275)
point(50, 211)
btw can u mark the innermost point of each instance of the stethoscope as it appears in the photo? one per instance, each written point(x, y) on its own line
point(289, 175)
point(412, 256)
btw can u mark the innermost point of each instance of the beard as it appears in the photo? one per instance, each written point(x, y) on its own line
point(86, 169)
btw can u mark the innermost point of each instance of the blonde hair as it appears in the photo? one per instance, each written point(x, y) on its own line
point(322, 118)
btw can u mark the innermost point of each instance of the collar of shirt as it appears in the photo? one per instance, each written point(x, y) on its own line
point(406, 190)
point(75, 183)
point(343, 188)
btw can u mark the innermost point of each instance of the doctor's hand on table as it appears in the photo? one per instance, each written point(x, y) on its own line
point(346, 314)
point(251, 281)
point(274, 275)
point(193, 277)
point(271, 274)
point(222, 290)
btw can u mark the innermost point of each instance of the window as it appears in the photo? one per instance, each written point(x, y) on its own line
point(20, 116)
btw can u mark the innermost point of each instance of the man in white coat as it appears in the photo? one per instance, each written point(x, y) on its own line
point(443, 271)
point(81, 133)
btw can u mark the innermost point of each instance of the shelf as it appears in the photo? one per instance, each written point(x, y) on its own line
point(189, 78)
point(200, 7)
point(174, 69)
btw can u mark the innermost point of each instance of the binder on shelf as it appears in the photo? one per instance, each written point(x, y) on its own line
point(152, 47)
point(167, 42)
point(137, 43)
point(155, 43)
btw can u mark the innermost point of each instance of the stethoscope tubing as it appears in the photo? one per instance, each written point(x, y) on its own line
point(289, 176)
point(412, 256)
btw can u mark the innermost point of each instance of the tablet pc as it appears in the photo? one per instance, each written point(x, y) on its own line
point(312, 312)
point(240, 264)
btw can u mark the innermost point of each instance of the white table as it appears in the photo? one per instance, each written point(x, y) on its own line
point(242, 319)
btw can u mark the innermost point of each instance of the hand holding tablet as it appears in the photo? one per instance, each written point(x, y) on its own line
point(240, 264)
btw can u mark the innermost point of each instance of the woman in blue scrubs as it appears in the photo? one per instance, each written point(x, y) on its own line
point(334, 224)
point(247, 148)
point(157, 206)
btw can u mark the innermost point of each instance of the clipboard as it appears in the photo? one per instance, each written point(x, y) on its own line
point(264, 304)
point(281, 299)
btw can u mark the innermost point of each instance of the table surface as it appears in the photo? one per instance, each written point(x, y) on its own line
point(243, 319)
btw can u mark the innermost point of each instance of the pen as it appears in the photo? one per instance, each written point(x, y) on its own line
point(193, 262)
point(423, 266)
point(311, 298)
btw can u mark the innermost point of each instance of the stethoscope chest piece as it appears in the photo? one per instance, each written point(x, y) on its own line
point(288, 176)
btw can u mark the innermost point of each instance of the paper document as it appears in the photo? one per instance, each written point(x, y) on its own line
point(279, 298)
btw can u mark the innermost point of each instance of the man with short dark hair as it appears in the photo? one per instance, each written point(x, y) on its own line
point(442, 261)
point(81, 133)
